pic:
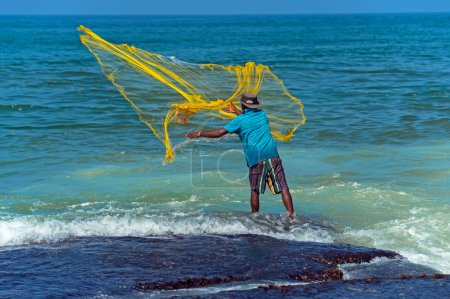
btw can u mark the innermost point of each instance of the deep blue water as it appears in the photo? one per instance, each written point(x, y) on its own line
point(370, 167)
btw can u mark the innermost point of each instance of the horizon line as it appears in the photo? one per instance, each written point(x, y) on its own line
point(234, 14)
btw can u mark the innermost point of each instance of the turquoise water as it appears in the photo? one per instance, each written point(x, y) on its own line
point(370, 167)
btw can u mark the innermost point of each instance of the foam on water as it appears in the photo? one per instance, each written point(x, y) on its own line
point(383, 266)
point(422, 239)
point(29, 229)
point(217, 289)
point(413, 225)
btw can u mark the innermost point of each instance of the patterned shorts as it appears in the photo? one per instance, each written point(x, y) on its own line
point(268, 172)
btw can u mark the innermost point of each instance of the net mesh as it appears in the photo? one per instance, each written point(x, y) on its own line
point(167, 93)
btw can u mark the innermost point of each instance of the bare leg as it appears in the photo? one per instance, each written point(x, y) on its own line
point(254, 201)
point(287, 200)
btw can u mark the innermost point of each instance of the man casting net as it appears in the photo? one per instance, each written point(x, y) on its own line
point(167, 93)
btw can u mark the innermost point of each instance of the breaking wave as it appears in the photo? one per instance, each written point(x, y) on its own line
point(30, 230)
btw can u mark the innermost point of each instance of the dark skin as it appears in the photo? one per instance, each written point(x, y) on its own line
point(254, 196)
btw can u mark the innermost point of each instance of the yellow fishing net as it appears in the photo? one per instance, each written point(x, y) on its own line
point(167, 93)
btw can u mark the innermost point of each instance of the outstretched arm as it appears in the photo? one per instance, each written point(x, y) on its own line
point(210, 134)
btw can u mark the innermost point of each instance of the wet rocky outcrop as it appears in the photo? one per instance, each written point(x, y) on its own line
point(239, 265)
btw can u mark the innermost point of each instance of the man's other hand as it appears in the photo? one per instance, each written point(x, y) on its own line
point(232, 109)
point(193, 134)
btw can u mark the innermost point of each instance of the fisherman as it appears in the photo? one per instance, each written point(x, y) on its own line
point(260, 150)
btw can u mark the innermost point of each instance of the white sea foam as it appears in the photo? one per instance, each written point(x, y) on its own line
point(29, 230)
point(384, 267)
point(405, 222)
point(350, 271)
point(210, 290)
point(422, 239)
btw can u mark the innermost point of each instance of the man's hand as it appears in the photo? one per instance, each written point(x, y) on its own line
point(233, 109)
point(193, 134)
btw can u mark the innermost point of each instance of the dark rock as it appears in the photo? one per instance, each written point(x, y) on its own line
point(121, 266)
point(186, 283)
point(332, 273)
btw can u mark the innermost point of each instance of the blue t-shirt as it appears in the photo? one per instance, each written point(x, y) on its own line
point(254, 132)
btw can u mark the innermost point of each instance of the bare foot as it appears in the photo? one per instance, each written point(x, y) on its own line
point(291, 217)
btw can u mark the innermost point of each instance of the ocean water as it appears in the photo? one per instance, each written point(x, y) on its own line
point(371, 166)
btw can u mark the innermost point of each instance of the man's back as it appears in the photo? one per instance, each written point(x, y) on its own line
point(254, 132)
